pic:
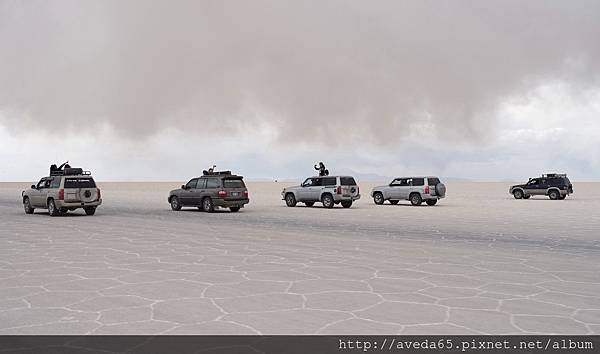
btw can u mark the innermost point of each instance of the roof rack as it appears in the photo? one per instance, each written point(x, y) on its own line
point(215, 173)
point(554, 175)
point(70, 172)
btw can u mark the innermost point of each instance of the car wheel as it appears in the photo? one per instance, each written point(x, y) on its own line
point(235, 209)
point(346, 203)
point(309, 204)
point(207, 205)
point(415, 199)
point(327, 201)
point(90, 210)
point(553, 194)
point(27, 206)
point(175, 203)
point(562, 197)
point(431, 202)
point(378, 198)
point(394, 202)
point(52, 210)
point(518, 194)
point(290, 200)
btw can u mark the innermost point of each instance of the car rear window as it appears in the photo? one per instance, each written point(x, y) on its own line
point(347, 181)
point(79, 183)
point(433, 181)
point(233, 183)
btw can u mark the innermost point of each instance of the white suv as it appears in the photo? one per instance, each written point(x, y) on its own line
point(329, 190)
point(415, 189)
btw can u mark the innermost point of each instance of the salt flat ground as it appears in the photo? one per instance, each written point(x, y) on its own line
point(478, 262)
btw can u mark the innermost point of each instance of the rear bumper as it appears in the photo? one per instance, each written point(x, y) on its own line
point(63, 204)
point(224, 203)
point(341, 197)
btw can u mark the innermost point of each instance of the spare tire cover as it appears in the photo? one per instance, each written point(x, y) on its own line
point(440, 189)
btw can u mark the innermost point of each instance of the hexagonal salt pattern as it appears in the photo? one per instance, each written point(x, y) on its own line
point(471, 265)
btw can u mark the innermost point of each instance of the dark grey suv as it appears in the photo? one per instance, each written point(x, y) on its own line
point(212, 190)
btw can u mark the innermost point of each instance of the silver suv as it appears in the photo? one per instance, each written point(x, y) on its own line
point(63, 190)
point(415, 189)
point(329, 190)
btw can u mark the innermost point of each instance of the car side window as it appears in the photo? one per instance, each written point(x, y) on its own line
point(329, 181)
point(397, 182)
point(418, 182)
point(317, 182)
point(55, 182)
point(212, 183)
point(41, 183)
point(192, 183)
point(201, 183)
point(533, 181)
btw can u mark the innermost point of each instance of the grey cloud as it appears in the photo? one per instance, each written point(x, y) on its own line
point(315, 70)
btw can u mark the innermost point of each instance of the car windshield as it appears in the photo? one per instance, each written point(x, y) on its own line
point(80, 183)
point(233, 183)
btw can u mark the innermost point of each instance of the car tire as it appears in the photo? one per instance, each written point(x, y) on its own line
point(175, 203)
point(526, 196)
point(431, 202)
point(207, 205)
point(394, 202)
point(27, 206)
point(290, 200)
point(52, 209)
point(415, 199)
point(90, 211)
point(518, 194)
point(309, 204)
point(327, 201)
point(346, 203)
point(553, 194)
point(378, 198)
point(234, 209)
point(562, 197)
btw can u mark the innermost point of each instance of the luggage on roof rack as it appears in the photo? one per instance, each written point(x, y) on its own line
point(215, 173)
point(554, 175)
point(70, 171)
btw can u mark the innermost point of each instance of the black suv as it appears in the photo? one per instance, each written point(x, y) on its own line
point(555, 186)
point(212, 190)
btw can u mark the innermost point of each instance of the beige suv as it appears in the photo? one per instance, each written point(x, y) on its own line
point(63, 190)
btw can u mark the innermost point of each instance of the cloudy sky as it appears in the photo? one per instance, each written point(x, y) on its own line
point(159, 90)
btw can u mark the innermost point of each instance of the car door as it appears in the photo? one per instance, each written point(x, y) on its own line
point(315, 190)
point(213, 185)
point(35, 195)
point(532, 187)
point(329, 185)
point(187, 194)
point(543, 186)
point(199, 192)
point(393, 191)
point(403, 190)
point(303, 193)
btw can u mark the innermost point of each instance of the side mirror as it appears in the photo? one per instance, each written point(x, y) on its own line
point(183, 186)
point(33, 186)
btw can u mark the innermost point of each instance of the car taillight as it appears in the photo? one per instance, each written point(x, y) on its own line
point(222, 194)
point(246, 194)
point(339, 190)
point(99, 194)
point(61, 194)
point(426, 189)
